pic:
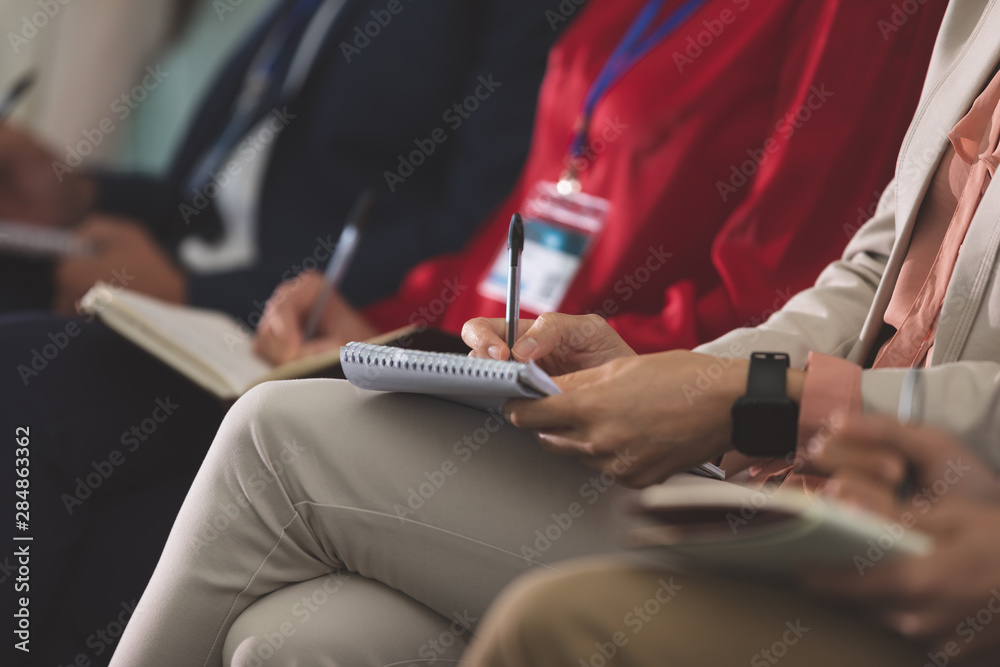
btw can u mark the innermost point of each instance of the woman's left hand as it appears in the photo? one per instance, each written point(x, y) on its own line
point(641, 418)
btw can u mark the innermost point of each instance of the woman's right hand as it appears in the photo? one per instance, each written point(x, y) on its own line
point(280, 335)
point(559, 343)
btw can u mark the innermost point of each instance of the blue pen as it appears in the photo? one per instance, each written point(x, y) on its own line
point(347, 244)
point(16, 92)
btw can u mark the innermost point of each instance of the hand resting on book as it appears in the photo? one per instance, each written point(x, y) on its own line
point(279, 338)
point(940, 600)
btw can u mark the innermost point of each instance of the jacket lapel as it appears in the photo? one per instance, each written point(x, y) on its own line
point(964, 61)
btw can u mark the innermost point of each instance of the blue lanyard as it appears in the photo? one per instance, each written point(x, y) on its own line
point(638, 41)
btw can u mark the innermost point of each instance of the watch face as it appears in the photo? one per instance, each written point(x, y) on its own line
point(765, 427)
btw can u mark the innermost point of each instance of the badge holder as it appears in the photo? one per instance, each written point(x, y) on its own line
point(560, 225)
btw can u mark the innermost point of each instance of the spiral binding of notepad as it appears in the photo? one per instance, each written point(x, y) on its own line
point(434, 362)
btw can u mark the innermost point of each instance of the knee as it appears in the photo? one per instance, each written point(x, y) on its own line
point(272, 422)
point(261, 425)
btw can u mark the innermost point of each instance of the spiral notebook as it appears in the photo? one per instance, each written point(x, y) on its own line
point(480, 383)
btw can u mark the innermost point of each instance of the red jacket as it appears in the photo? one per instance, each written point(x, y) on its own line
point(750, 145)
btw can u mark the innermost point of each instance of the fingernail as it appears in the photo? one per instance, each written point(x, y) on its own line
point(524, 347)
point(494, 351)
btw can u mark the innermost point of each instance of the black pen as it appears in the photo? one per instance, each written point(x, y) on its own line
point(15, 93)
point(347, 244)
point(515, 244)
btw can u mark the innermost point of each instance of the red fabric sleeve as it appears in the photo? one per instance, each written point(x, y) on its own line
point(837, 124)
point(832, 385)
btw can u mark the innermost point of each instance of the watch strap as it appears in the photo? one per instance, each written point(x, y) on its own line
point(768, 375)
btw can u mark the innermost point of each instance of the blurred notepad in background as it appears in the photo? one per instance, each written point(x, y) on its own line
point(19, 238)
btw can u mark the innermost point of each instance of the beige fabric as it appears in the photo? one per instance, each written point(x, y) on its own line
point(844, 313)
point(87, 55)
point(312, 477)
point(618, 613)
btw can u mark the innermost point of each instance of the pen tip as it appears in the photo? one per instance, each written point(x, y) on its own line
point(515, 235)
point(361, 211)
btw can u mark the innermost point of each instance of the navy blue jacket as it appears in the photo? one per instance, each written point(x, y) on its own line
point(378, 90)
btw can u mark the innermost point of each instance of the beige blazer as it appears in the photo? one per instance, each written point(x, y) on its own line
point(843, 313)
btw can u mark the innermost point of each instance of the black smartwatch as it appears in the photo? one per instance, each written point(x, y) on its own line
point(765, 420)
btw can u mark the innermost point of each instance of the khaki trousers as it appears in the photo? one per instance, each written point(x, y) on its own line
point(623, 613)
point(333, 526)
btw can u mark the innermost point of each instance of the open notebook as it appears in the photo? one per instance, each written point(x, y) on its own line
point(211, 348)
point(720, 525)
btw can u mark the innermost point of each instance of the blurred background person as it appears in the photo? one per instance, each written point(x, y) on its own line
point(710, 177)
point(247, 196)
point(364, 100)
point(904, 613)
point(84, 54)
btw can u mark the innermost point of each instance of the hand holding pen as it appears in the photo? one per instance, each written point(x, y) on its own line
point(306, 315)
point(347, 245)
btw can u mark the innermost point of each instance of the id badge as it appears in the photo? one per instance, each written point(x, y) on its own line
point(559, 229)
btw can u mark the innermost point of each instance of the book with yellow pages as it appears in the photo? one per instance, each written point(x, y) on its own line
point(212, 348)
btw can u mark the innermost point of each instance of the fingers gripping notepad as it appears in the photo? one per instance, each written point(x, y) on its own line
point(481, 383)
